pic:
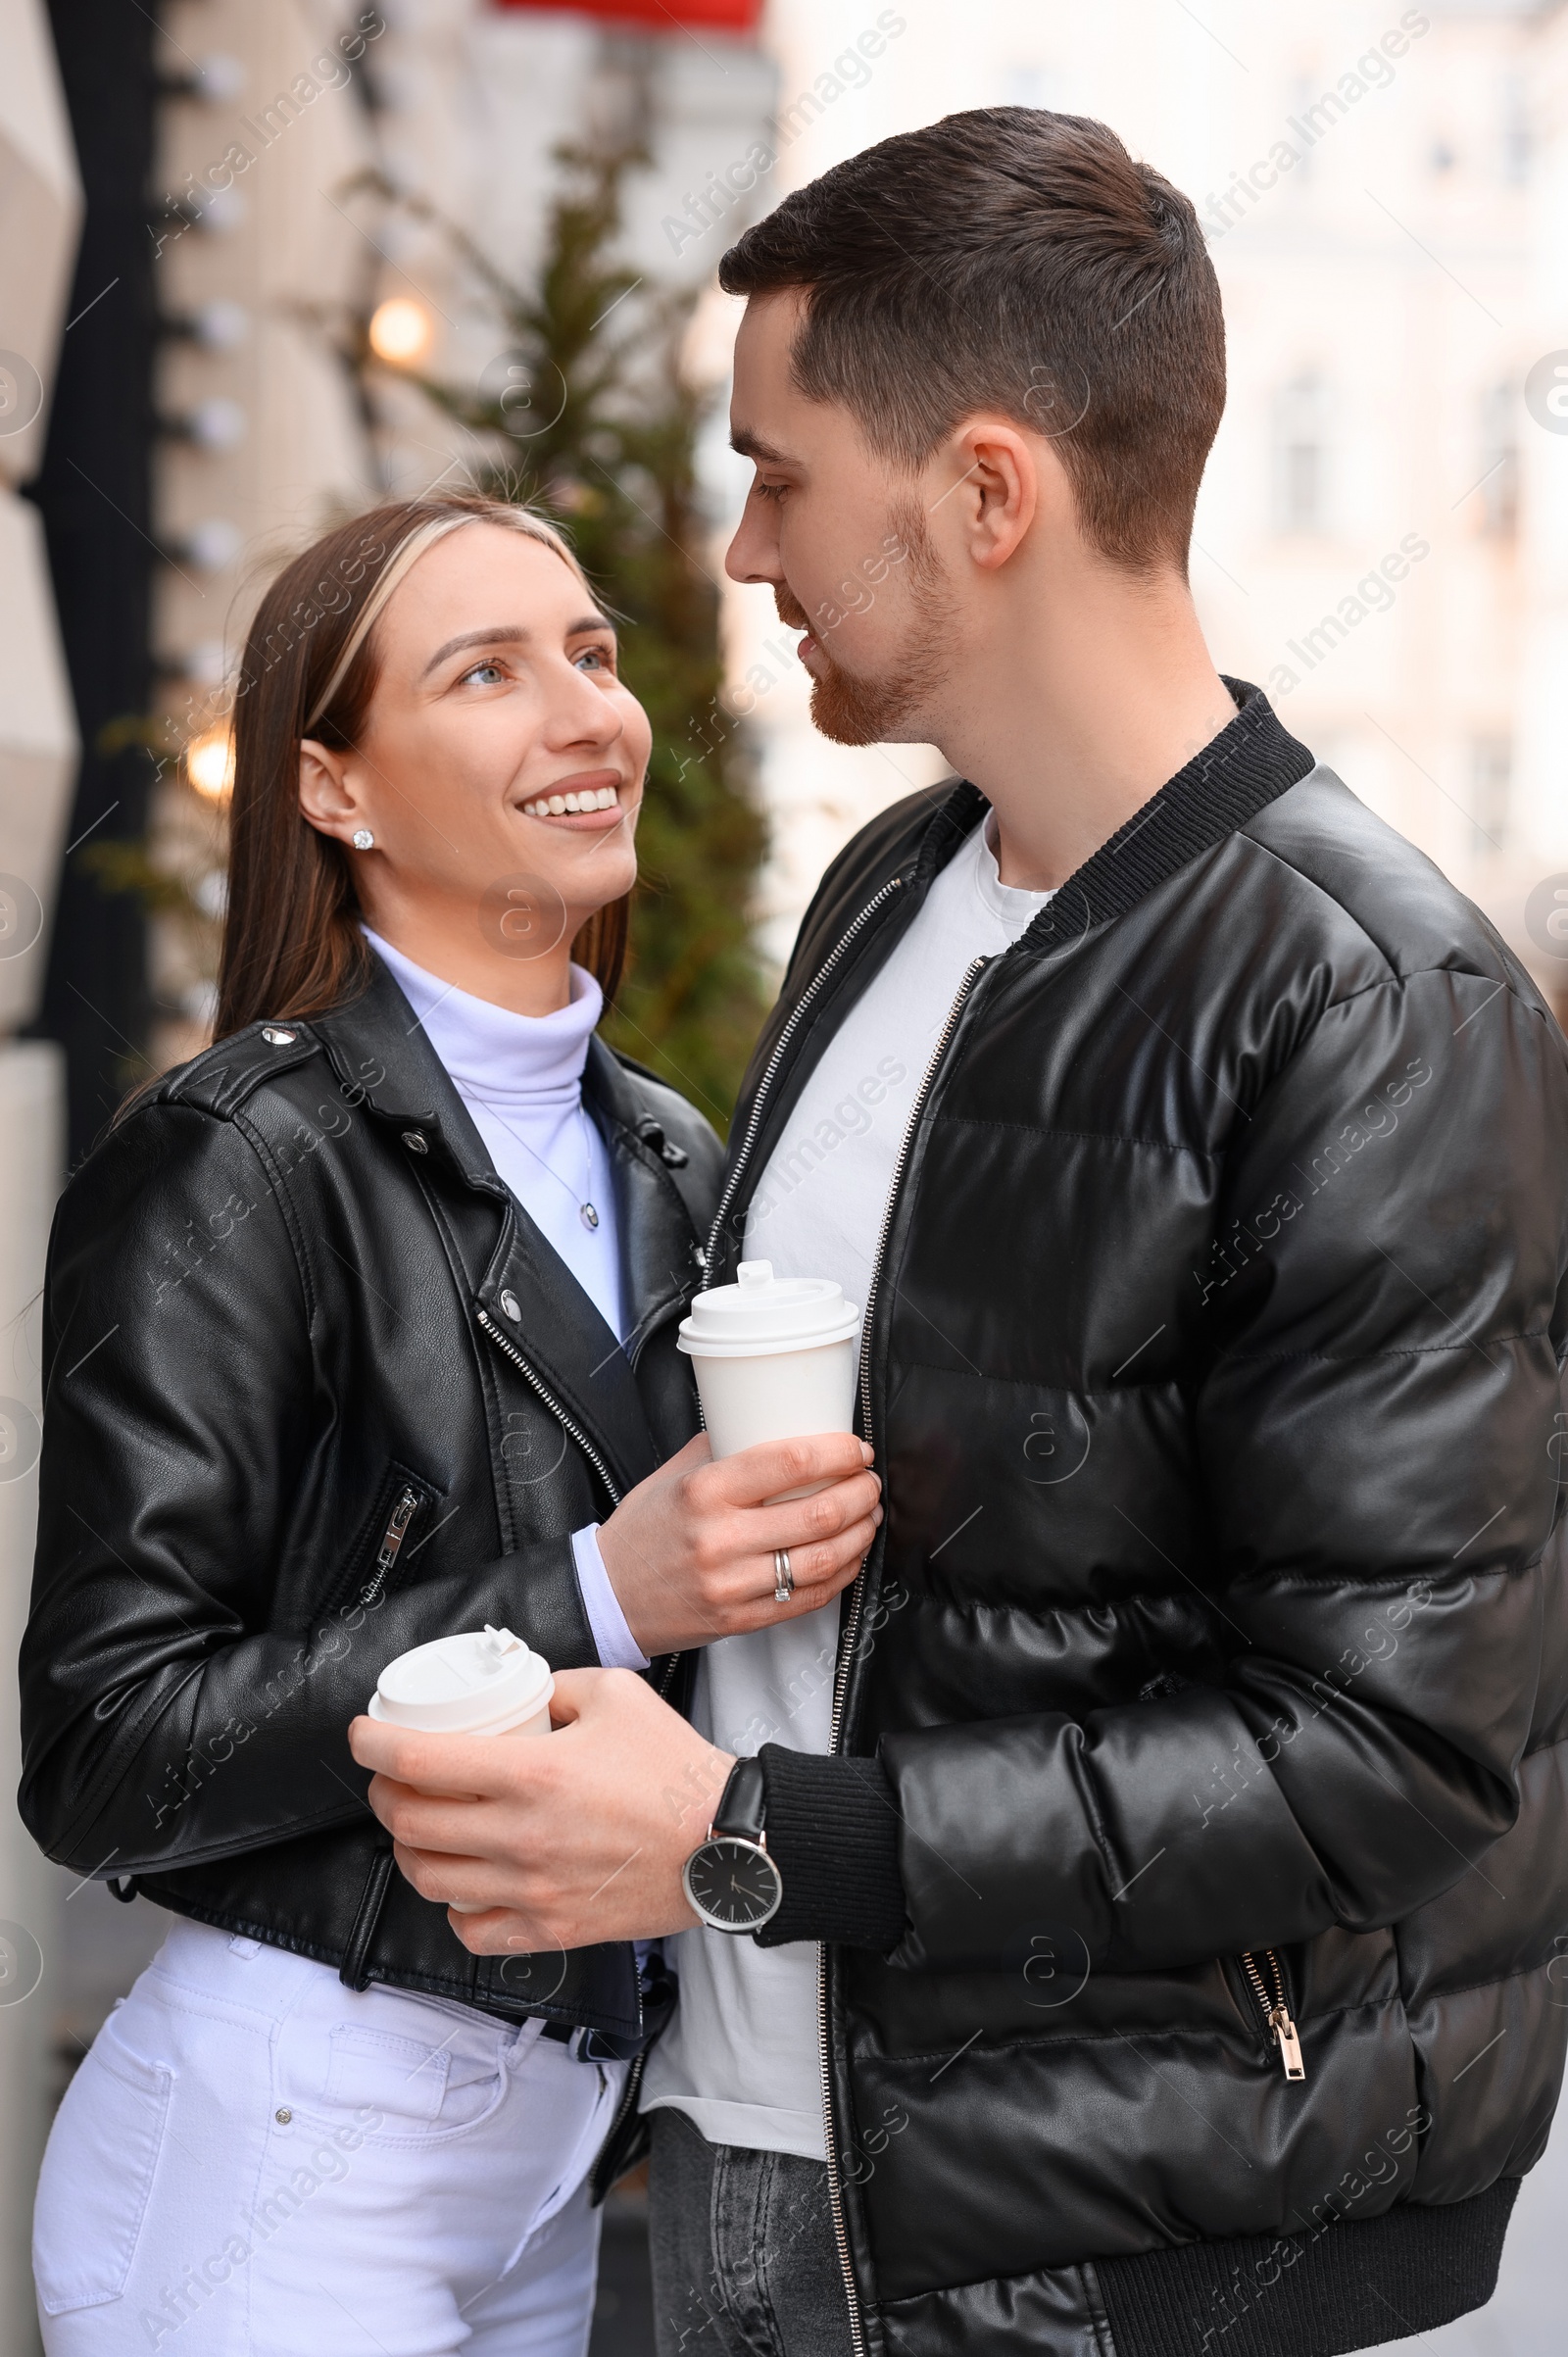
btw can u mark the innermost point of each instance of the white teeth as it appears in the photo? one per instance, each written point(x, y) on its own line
point(557, 806)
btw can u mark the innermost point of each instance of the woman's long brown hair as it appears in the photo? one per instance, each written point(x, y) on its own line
point(292, 944)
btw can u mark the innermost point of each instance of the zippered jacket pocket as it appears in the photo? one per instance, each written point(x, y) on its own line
point(378, 1559)
point(1264, 1975)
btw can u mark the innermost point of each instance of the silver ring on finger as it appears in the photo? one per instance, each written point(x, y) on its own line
point(783, 1577)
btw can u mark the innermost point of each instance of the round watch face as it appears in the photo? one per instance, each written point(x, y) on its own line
point(733, 1884)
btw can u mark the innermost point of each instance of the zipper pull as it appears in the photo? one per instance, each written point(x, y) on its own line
point(1290, 2045)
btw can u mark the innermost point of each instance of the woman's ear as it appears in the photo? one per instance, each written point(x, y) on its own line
point(328, 793)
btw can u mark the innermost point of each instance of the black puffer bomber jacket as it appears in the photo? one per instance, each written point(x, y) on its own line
point(1215, 1647)
point(316, 1391)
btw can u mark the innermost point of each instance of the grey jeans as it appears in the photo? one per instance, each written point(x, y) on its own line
point(744, 2257)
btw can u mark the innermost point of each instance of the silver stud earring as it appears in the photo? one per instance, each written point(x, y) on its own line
point(363, 838)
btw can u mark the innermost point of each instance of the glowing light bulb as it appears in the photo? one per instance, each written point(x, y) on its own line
point(399, 331)
point(210, 764)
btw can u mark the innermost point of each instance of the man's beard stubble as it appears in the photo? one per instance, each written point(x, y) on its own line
point(850, 709)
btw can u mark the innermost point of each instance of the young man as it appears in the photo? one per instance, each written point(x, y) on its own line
point(1179, 1799)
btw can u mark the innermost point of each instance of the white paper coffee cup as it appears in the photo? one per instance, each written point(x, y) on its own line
point(481, 1681)
point(775, 1359)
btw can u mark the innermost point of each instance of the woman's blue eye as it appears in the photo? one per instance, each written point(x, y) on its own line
point(478, 669)
point(601, 656)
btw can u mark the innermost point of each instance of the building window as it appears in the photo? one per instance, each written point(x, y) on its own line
point(1499, 462)
point(1300, 461)
point(1490, 776)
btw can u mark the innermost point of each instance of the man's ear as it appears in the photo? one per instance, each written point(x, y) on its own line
point(1001, 480)
point(328, 791)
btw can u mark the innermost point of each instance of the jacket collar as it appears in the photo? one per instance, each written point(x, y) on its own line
point(382, 1053)
point(1253, 761)
point(657, 1263)
point(379, 1048)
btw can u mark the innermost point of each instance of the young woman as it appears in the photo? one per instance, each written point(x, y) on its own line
point(361, 1331)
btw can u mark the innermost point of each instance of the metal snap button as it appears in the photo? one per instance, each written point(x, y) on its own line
point(276, 1037)
point(512, 1306)
point(284, 2116)
point(415, 1141)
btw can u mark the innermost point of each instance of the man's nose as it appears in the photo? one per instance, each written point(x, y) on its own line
point(753, 553)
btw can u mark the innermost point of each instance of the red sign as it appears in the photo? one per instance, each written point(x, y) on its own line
point(718, 16)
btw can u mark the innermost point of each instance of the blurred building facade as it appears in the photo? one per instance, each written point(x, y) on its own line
point(1544, 684)
point(40, 205)
point(476, 103)
point(1380, 540)
point(260, 441)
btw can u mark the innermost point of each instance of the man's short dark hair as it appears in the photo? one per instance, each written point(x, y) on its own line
point(1019, 260)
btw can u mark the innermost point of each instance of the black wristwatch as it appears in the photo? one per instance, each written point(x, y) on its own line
point(730, 1879)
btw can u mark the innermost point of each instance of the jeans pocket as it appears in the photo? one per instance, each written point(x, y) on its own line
point(396, 2081)
point(97, 2175)
point(404, 2092)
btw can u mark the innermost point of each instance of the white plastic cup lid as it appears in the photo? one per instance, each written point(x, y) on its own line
point(760, 1314)
point(479, 1683)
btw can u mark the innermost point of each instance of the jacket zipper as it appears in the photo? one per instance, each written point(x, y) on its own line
point(754, 1121)
point(574, 1430)
point(852, 1629)
point(1270, 1995)
point(392, 1538)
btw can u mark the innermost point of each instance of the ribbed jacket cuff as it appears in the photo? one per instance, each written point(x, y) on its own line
point(833, 1832)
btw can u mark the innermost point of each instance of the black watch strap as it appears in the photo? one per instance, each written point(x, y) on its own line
point(740, 1808)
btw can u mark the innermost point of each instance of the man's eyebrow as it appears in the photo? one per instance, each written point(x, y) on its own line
point(751, 446)
point(510, 634)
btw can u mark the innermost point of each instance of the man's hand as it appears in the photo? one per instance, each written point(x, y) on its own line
point(690, 1550)
point(570, 1839)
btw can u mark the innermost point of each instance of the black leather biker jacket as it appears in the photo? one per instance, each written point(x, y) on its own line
point(316, 1391)
point(1215, 1647)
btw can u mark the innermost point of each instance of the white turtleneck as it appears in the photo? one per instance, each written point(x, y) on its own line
point(521, 1077)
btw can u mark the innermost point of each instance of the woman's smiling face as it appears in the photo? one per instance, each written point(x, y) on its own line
point(499, 768)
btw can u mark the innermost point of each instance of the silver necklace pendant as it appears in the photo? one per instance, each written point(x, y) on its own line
point(588, 1215)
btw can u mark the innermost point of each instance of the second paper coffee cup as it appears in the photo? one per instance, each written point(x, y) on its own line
point(774, 1358)
point(480, 1682)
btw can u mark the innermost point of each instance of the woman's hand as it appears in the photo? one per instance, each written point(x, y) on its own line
point(690, 1550)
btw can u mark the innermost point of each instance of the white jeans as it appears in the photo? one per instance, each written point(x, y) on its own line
point(254, 2161)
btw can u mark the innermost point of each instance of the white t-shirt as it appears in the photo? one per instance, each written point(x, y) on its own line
point(741, 2057)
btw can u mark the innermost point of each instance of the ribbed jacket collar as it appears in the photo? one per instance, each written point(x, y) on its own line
point(1253, 760)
